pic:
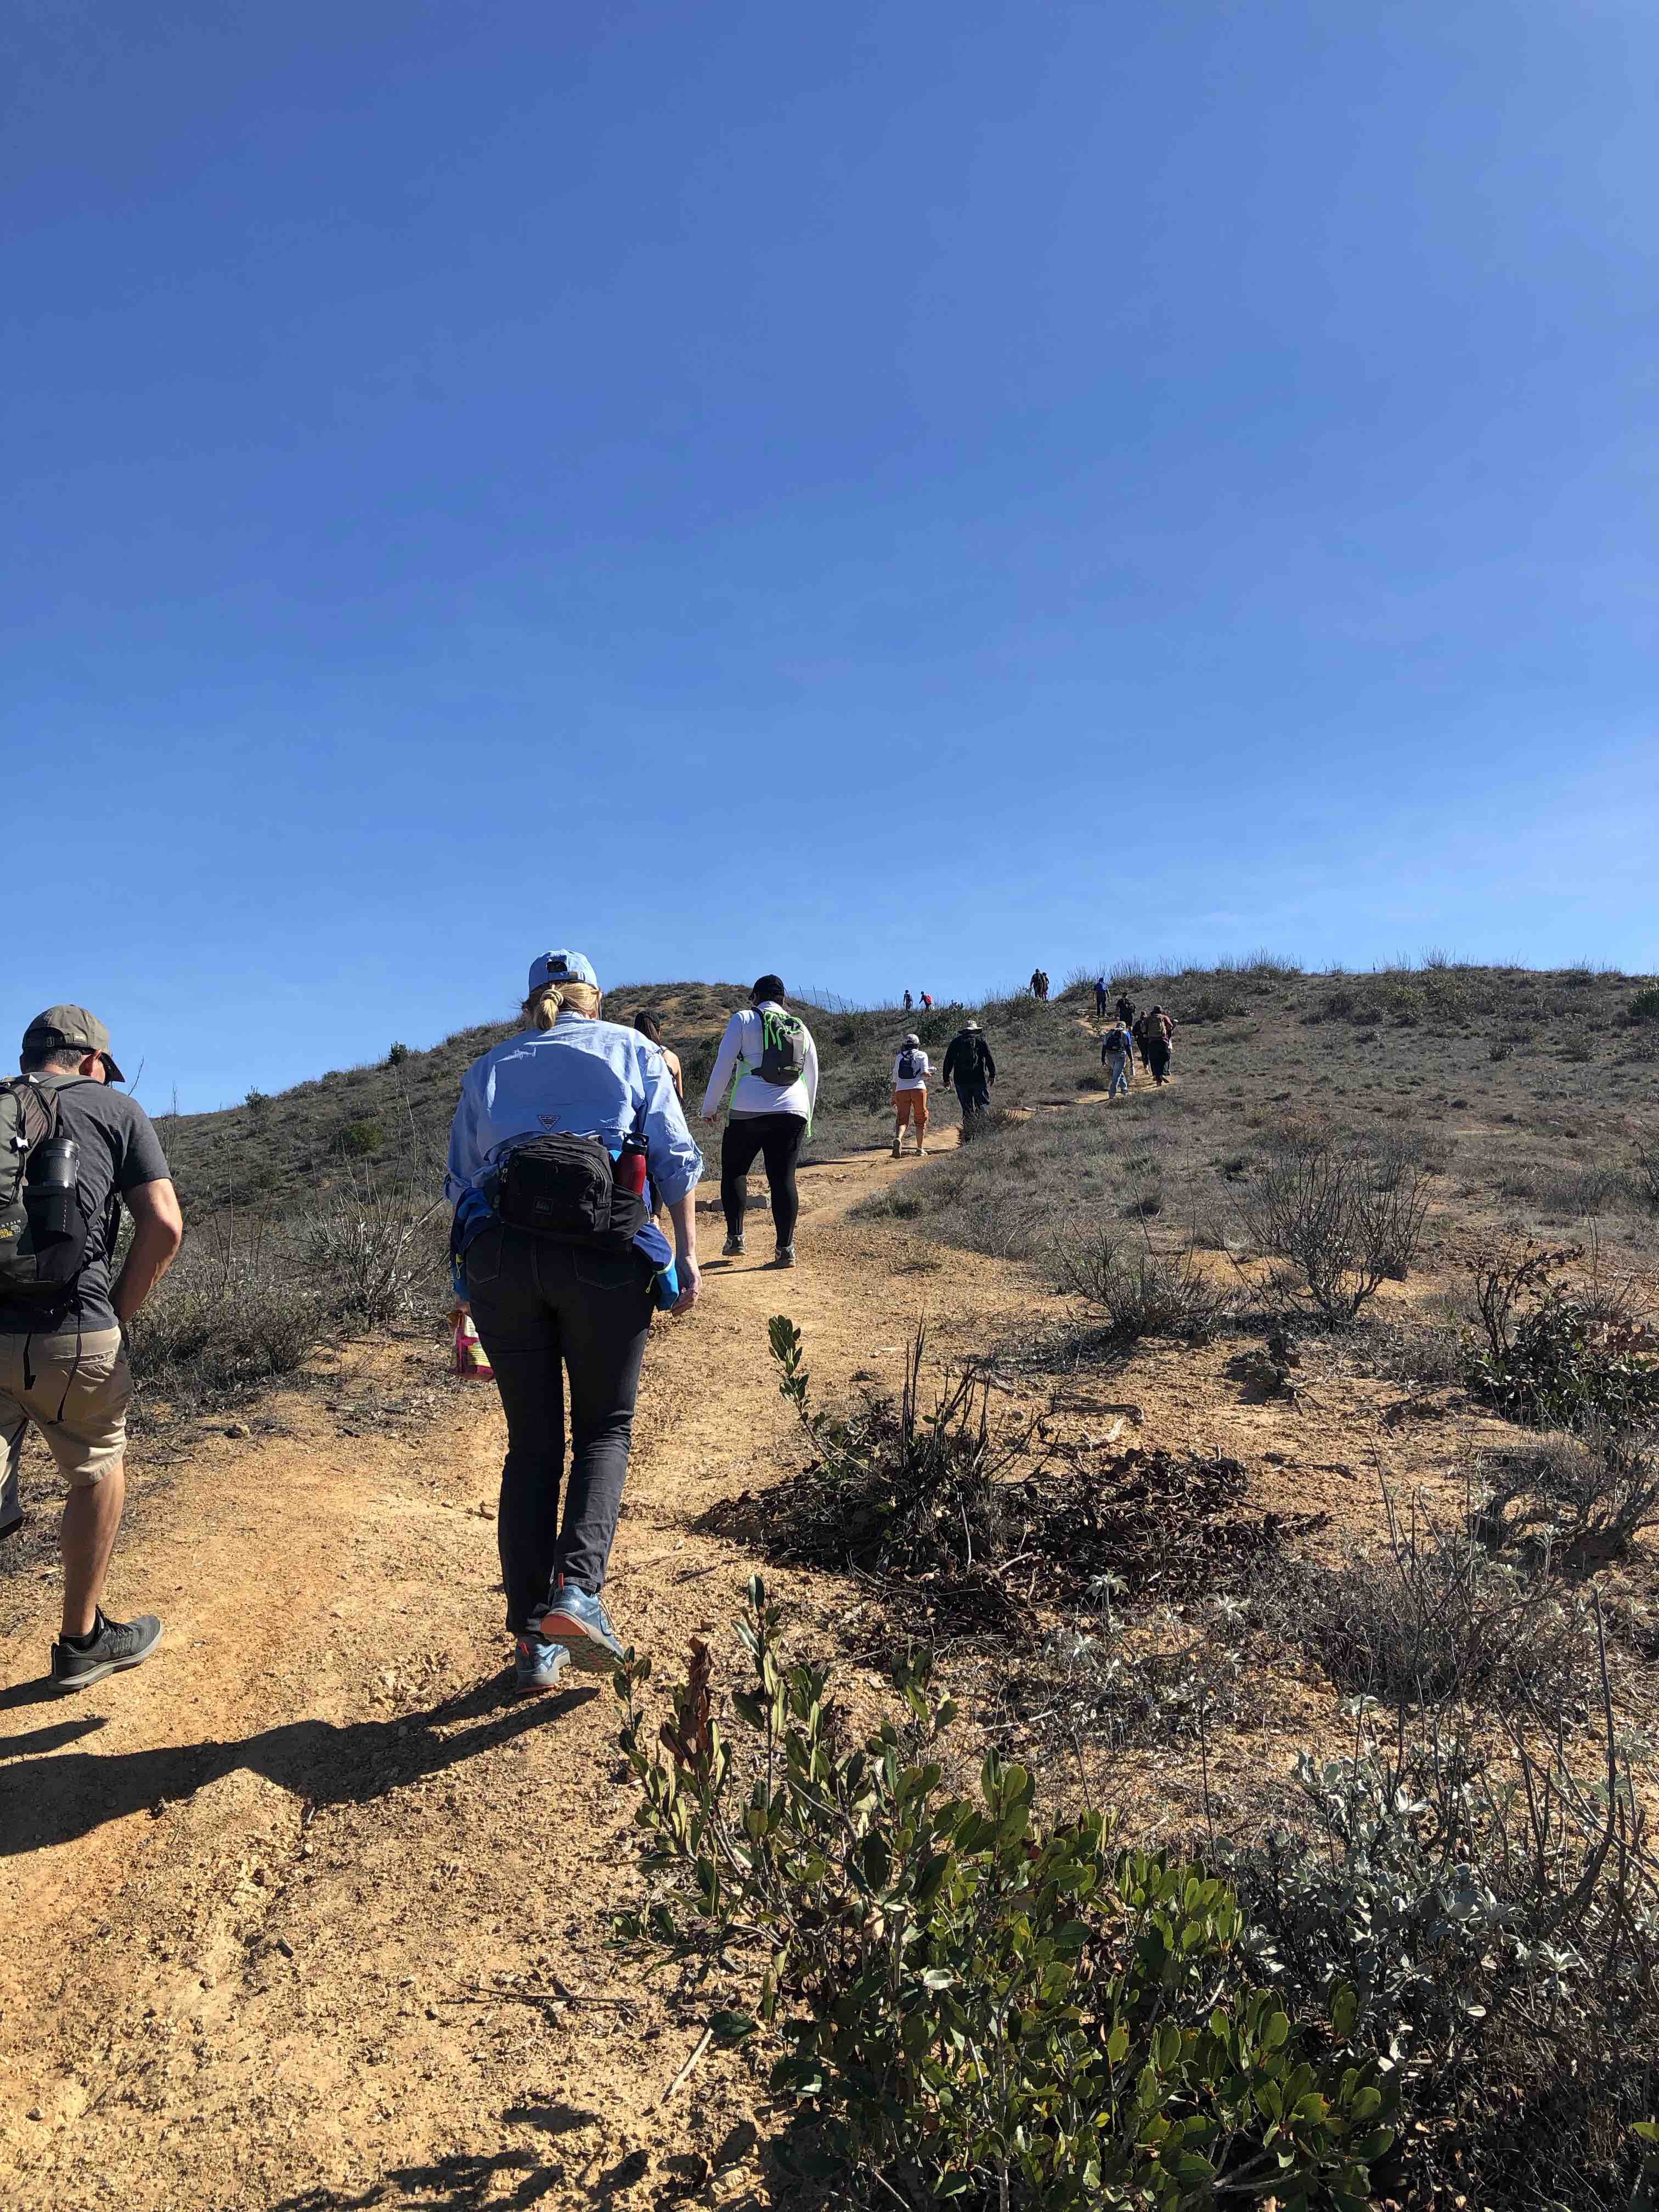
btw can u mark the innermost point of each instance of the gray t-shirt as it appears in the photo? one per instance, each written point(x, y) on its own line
point(119, 1150)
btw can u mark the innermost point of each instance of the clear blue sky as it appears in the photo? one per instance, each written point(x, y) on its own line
point(887, 492)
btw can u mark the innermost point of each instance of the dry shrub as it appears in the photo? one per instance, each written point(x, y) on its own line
point(371, 1244)
point(1342, 1217)
point(1144, 1292)
point(234, 1311)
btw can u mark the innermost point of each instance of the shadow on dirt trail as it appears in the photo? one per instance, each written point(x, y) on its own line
point(67, 1795)
point(464, 2182)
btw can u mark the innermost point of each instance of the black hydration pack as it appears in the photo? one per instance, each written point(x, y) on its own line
point(781, 1059)
point(43, 1229)
point(909, 1066)
point(565, 1189)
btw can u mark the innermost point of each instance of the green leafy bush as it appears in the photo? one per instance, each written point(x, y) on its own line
point(1496, 1912)
point(973, 2007)
point(361, 1139)
point(1546, 1361)
point(1644, 1007)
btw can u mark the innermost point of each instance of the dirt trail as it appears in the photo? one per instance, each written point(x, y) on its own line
point(289, 1911)
point(308, 1913)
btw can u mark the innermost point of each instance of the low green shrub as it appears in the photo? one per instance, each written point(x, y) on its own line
point(1546, 1361)
point(973, 2007)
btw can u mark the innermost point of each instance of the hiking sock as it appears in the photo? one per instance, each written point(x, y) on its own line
point(85, 1643)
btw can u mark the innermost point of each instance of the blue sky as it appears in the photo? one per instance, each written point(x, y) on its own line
point(889, 493)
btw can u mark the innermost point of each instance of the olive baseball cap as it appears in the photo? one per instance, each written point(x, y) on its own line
point(75, 1028)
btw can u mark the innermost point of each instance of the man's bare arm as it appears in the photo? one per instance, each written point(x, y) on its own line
point(158, 1231)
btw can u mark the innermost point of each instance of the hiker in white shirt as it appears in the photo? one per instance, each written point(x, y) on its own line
point(910, 1072)
point(770, 1052)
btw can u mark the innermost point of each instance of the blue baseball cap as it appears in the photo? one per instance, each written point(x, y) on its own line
point(561, 968)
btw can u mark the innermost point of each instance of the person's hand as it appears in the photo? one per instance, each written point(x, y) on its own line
point(691, 1276)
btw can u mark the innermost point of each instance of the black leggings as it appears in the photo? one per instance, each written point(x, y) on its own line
point(542, 1309)
point(778, 1137)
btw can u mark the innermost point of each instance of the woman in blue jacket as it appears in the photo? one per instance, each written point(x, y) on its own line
point(549, 1302)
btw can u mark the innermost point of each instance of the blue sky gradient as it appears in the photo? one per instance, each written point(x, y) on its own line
point(890, 493)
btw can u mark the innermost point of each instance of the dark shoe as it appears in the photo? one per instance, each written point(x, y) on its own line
point(732, 1248)
point(118, 1645)
point(538, 1663)
point(578, 1622)
point(786, 1256)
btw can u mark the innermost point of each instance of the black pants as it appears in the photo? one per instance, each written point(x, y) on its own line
point(1158, 1058)
point(541, 1308)
point(778, 1138)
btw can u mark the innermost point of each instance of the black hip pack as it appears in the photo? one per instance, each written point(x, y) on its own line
point(565, 1189)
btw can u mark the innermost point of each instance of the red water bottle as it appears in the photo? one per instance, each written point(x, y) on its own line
point(630, 1168)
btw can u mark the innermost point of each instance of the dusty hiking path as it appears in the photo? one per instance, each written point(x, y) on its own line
point(288, 1912)
point(308, 1912)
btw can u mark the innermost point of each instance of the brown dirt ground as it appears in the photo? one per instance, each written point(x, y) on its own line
point(309, 1913)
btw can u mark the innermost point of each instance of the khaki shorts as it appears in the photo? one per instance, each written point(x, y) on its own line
point(79, 1405)
point(910, 1106)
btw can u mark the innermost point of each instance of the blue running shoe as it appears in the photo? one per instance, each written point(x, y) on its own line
point(578, 1622)
point(538, 1663)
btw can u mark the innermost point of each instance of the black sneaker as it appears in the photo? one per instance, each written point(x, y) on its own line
point(732, 1248)
point(117, 1645)
point(786, 1256)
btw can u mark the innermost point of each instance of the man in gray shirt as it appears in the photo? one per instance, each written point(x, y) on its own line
point(63, 1370)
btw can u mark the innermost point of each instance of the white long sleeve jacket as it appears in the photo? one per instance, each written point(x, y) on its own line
point(740, 1054)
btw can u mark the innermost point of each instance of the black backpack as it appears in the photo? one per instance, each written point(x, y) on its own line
point(781, 1059)
point(565, 1189)
point(909, 1066)
point(43, 1228)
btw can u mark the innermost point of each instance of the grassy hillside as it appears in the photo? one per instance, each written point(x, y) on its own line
point(1533, 1094)
point(1541, 1084)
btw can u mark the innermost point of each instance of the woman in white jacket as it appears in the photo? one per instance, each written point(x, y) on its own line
point(910, 1072)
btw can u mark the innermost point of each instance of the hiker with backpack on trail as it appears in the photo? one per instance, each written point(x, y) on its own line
point(910, 1072)
point(72, 1150)
point(969, 1065)
point(1117, 1058)
point(565, 1139)
point(768, 1057)
point(1160, 1027)
point(1125, 1010)
point(1100, 998)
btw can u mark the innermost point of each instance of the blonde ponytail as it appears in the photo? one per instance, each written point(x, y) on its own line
point(543, 1007)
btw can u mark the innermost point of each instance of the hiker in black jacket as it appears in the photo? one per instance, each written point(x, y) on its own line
point(969, 1065)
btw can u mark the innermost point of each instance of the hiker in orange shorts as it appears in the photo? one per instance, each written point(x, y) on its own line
point(910, 1072)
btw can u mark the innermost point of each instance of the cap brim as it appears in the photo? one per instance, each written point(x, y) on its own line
point(110, 1068)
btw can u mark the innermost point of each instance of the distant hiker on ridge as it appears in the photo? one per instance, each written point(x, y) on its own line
point(908, 1002)
point(564, 1139)
point(1125, 1010)
point(910, 1072)
point(71, 1151)
point(1100, 998)
point(969, 1065)
point(770, 1054)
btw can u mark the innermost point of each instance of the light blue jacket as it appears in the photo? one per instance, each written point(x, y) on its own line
point(581, 1078)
